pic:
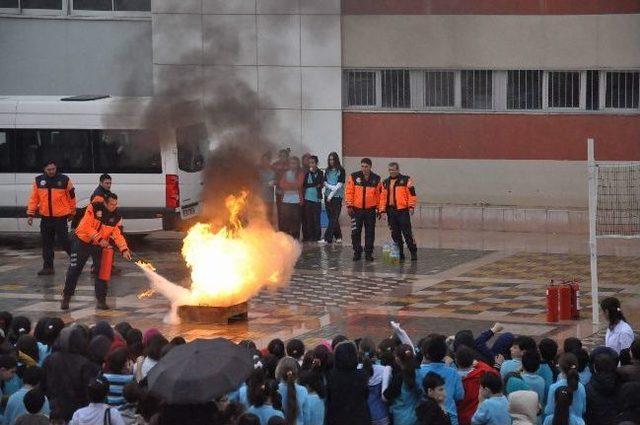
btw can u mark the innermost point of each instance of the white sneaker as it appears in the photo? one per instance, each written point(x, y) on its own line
point(338, 240)
point(322, 242)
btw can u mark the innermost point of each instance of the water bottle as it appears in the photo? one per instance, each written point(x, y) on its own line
point(395, 254)
point(386, 251)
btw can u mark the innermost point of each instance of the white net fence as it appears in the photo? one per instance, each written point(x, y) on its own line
point(618, 200)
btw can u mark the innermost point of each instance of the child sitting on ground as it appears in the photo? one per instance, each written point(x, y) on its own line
point(530, 365)
point(494, 406)
point(431, 410)
point(519, 346)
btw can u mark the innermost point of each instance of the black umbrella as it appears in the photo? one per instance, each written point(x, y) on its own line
point(200, 371)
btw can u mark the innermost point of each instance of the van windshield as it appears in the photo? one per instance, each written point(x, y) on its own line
point(193, 146)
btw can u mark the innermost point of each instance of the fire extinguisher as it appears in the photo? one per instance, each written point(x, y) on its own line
point(575, 299)
point(564, 301)
point(552, 302)
point(106, 262)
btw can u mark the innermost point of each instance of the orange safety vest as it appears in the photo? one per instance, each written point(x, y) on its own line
point(52, 197)
point(362, 193)
point(398, 193)
point(99, 223)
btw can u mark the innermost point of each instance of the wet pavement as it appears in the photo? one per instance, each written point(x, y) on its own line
point(454, 285)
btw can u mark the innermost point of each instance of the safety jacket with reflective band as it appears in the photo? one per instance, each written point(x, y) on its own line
point(398, 193)
point(99, 194)
point(52, 197)
point(361, 193)
point(99, 223)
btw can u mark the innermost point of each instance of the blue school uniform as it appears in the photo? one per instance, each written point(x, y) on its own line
point(301, 398)
point(579, 405)
point(573, 420)
point(492, 411)
point(314, 410)
point(452, 385)
point(15, 407)
point(537, 384)
point(545, 372)
point(403, 407)
point(585, 376)
point(265, 412)
point(513, 365)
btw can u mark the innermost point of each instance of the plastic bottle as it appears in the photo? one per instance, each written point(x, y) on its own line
point(386, 252)
point(395, 254)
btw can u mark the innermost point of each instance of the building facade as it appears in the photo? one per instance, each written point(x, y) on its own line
point(486, 104)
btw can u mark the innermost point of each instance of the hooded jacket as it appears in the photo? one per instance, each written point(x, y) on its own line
point(603, 401)
point(523, 407)
point(67, 372)
point(347, 389)
point(471, 384)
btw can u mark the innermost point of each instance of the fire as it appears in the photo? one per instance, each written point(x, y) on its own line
point(231, 264)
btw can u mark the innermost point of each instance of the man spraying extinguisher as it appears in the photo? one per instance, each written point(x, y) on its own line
point(100, 224)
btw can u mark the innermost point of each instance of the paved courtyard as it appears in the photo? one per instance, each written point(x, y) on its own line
point(449, 289)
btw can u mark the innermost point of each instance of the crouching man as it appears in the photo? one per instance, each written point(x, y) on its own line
point(100, 225)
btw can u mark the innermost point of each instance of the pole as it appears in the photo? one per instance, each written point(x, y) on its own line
point(593, 241)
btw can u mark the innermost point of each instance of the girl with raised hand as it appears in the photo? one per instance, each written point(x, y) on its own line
point(403, 392)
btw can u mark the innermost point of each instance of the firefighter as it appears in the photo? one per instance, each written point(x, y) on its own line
point(398, 201)
point(53, 198)
point(100, 224)
point(362, 195)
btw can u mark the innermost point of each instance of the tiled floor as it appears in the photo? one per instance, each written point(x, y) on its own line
point(453, 286)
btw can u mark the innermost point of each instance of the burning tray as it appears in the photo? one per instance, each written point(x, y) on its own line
point(211, 314)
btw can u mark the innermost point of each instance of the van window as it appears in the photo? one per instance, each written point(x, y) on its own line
point(5, 150)
point(193, 146)
point(126, 151)
point(70, 149)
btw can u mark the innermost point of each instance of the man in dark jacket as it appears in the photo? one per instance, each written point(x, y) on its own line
point(347, 389)
point(67, 372)
point(603, 402)
point(631, 372)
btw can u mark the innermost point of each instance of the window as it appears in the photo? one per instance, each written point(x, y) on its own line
point(439, 89)
point(126, 151)
point(477, 89)
point(564, 90)
point(193, 146)
point(361, 88)
point(6, 150)
point(92, 5)
point(41, 4)
point(396, 90)
point(70, 149)
point(622, 90)
point(524, 89)
point(9, 4)
point(113, 5)
point(132, 5)
point(593, 91)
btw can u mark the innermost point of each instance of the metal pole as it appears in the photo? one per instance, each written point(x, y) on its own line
point(593, 241)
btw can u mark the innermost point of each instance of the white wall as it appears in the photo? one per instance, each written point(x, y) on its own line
point(288, 51)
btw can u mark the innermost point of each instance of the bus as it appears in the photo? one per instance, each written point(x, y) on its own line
point(157, 171)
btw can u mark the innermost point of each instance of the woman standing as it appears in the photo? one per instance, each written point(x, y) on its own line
point(619, 334)
point(291, 186)
point(334, 178)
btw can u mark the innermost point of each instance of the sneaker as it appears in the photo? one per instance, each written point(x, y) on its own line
point(64, 304)
point(356, 257)
point(338, 240)
point(46, 271)
point(322, 242)
point(368, 257)
point(101, 305)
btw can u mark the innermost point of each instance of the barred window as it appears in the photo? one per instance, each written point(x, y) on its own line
point(593, 90)
point(524, 89)
point(396, 89)
point(622, 90)
point(564, 89)
point(360, 88)
point(439, 89)
point(476, 88)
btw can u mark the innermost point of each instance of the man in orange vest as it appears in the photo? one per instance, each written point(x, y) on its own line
point(362, 194)
point(398, 199)
point(101, 222)
point(53, 198)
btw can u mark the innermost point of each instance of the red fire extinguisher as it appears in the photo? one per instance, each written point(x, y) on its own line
point(106, 262)
point(564, 301)
point(552, 302)
point(575, 299)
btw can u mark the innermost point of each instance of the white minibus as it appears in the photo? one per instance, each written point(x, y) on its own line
point(157, 173)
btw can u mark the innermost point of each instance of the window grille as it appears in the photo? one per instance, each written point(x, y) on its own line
point(564, 89)
point(593, 91)
point(622, 90)
point(360, 88)
point(524, 89)
point(396, 89)
point(477, 88)
point(439, 89)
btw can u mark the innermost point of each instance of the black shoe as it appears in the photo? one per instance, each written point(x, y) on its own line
point(101, 305)
point(356, 257)
point(64, 304)
point(368, 257)
point(46, 271)
point(402, 258)
point(414, 256)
